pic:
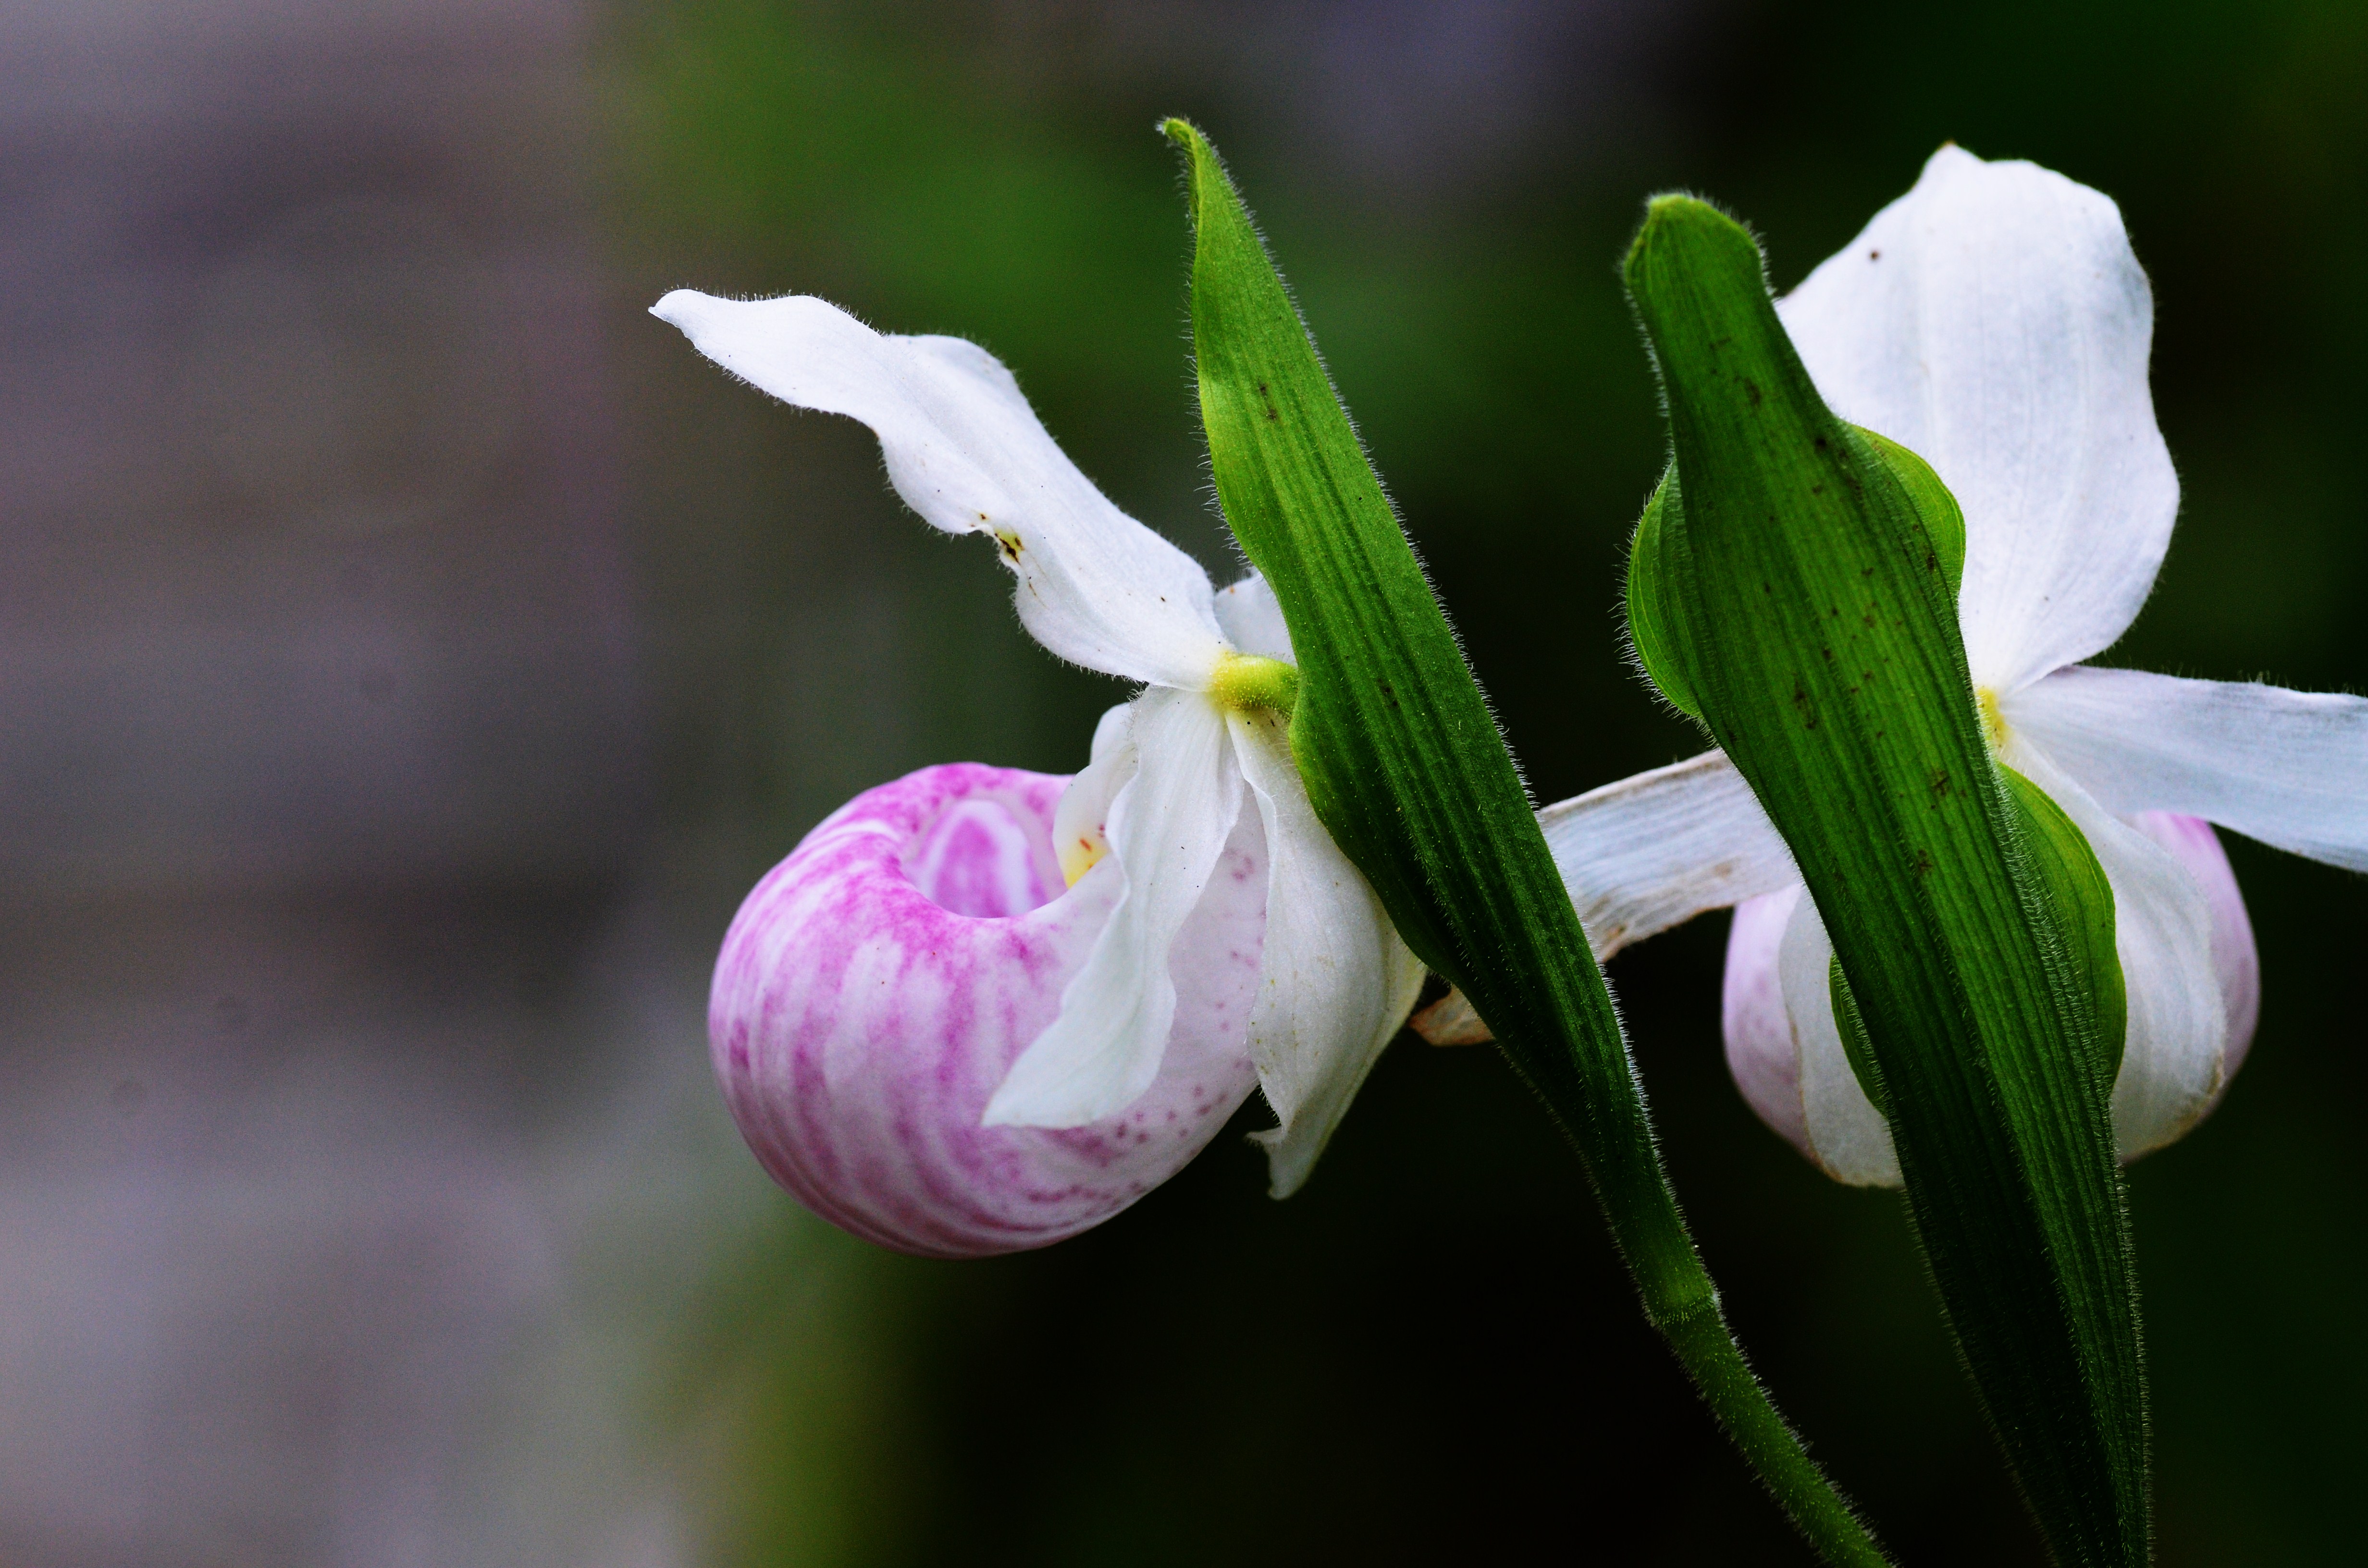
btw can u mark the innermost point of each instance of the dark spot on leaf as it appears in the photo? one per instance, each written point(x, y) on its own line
point(1925, 863)
point(1942, 786)
point(1751, 389)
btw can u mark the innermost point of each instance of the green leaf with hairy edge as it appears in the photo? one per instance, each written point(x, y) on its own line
point(1810, 581)
point(2083, 903)
point(1403, 765)
point(1651, 616)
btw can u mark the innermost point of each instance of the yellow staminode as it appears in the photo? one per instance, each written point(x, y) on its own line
point(1080, 853)
point(1992, 721)
point(1246, 683)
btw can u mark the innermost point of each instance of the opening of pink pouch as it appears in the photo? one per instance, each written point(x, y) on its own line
point(988, 855)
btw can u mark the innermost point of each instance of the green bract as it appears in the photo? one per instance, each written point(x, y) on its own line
point(1798, 593)
point(1403, 765)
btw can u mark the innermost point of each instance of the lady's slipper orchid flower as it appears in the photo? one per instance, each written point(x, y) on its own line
point(966, 1016)
point(1995, 321)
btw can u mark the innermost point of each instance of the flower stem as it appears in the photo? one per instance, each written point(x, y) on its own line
point(1613, 1137)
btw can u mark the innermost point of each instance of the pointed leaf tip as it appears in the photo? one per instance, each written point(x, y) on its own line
point(1188, 140)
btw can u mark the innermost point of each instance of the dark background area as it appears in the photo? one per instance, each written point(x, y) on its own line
point(410, 653)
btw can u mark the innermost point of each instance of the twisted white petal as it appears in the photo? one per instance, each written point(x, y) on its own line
point(2287, 767)
point(1655, 850)
point(1335, 982)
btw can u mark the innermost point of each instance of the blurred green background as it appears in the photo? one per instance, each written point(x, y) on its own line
point(410, 652)
point(1431, 1355)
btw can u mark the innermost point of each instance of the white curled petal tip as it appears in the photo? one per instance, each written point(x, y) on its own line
point(1335, 980)
point(2287, 767)
point(877, 985)
point(1652, 851)
point(966, 452)
point(1168, 829)
point(1995, 321)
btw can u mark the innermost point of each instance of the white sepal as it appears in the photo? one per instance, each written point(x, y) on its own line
point(965, 451)
point(1995, 321)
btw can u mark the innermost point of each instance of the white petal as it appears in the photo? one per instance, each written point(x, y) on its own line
point(1335, 984)
point(2173, 1057)
point(1995, 321)
point(2287, 767)
point(1167, 828)
point(965, 451)
point(1252, 621)
point(1762, 1053)
point(1655, 850)
point(1081, 821)
point(2235, 960)
point(1847, 1135)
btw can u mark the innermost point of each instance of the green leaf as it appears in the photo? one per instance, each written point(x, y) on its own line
point(2082, 902)
point(1404, 766)
point(1810, 576)
point(1652, 617)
